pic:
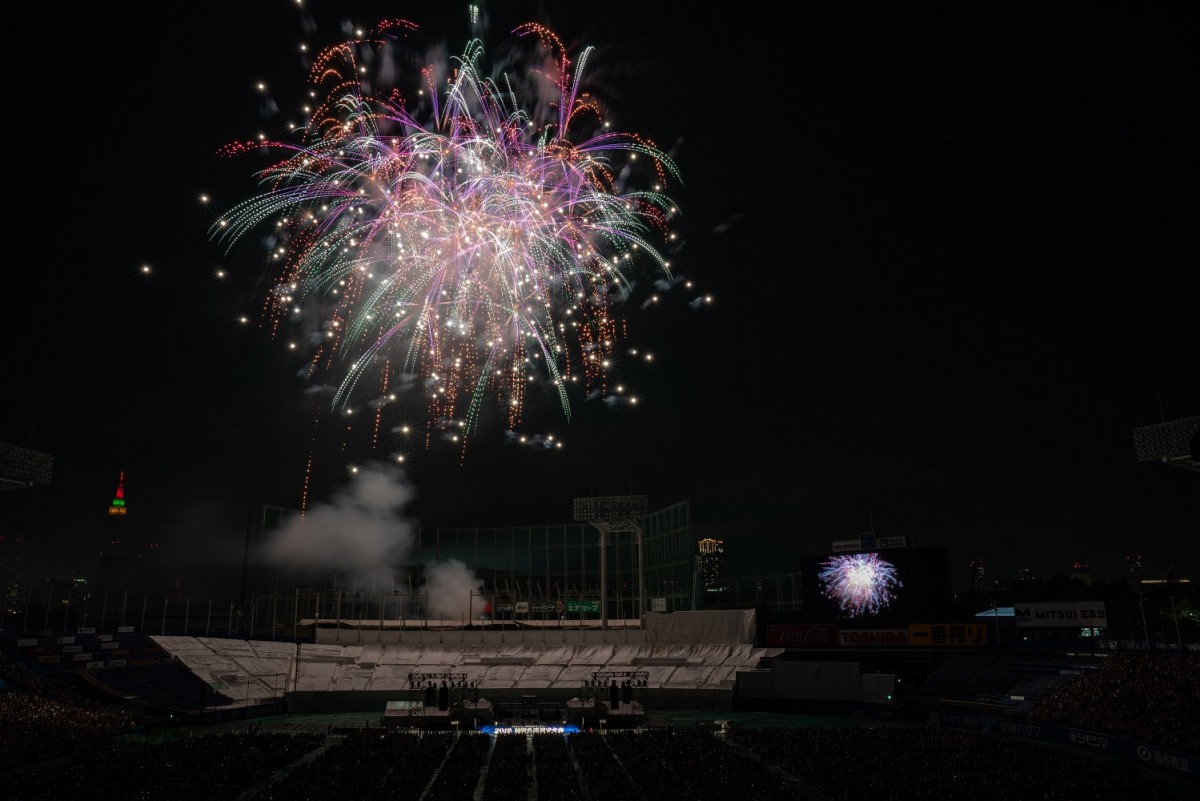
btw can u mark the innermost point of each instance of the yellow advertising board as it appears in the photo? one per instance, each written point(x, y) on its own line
point(943, 635)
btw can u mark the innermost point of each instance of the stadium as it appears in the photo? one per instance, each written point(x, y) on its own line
point(580, 663)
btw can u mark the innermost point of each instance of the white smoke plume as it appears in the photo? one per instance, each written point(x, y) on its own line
point(453, 591)
point(360, 534)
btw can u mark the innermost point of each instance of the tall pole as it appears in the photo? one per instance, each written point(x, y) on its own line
point(603, 527)
point(641, 575)
point(245, 561)
point(1145, 628)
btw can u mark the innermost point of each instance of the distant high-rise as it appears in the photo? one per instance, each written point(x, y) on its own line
point(1025, 575)
point(978, 582)
point(117, 507)
point(1133, 562)
point(122, 561)
point(1080, 572)
point(711, 561)
point(13, 569)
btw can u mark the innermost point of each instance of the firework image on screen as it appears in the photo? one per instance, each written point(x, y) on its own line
point(861, 584)
point(873, 588)
point(457, 232)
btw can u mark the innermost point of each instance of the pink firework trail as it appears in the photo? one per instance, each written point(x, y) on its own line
point(443, 235)
point(862, 584)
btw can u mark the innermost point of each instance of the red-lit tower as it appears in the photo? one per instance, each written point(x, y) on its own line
point(117, 507)
point(121, 565)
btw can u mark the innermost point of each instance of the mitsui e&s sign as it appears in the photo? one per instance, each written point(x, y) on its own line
point(1062, 613)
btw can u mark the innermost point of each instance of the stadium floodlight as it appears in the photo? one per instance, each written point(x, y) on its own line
point(611, 509)
point(1173, 442)
point(21, 467)
point(609, 514)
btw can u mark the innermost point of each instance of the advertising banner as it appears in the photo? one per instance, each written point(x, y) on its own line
point(803, 635)
point(873, 637)
point(948, 634)
point(582, 606)
point(1174, 763)
point(1061, 613)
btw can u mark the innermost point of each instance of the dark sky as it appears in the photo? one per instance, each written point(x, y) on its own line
point(952, 252)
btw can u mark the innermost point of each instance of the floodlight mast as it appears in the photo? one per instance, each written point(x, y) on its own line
point(1173, 442)
point(616, 513)
point(21, 467)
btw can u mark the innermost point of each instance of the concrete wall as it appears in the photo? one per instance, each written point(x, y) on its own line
point(460, 636)
point(373, 703)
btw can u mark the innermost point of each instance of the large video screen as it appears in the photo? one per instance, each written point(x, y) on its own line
point(879, 588)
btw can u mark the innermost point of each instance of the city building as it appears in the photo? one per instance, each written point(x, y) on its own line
point(978, 579)
point(14, 569)
point(710, 561)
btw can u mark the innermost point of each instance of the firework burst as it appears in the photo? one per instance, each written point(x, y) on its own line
point(860, 584)
point(448, 237)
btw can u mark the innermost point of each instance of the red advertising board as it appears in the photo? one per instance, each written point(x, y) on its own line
point(803, 635)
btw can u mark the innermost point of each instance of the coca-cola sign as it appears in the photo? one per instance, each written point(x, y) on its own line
point(803, 635)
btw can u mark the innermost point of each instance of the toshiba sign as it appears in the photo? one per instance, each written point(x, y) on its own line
point(873, 637)
point(802, 636)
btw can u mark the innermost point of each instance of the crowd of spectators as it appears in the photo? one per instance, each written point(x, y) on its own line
point(1149, 696)
point(368, 763)
point(691, 763)
point(883, 763)
point(214, 767)
point(37, 712)
point(604, 779)
point(905, 763)
point(554, 768)
point(509, 772)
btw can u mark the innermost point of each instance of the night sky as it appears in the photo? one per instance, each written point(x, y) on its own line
point(952, 253)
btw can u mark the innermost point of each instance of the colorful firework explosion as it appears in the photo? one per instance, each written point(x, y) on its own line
point(449, 237)
point(861, 584)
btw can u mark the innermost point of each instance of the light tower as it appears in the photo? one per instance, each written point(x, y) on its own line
point(1175, 442)
point(21, 467)
point(612, 514)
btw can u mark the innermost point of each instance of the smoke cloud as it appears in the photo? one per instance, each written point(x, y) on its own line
point(361, 535)
point(453, 591)
point(360, 531)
